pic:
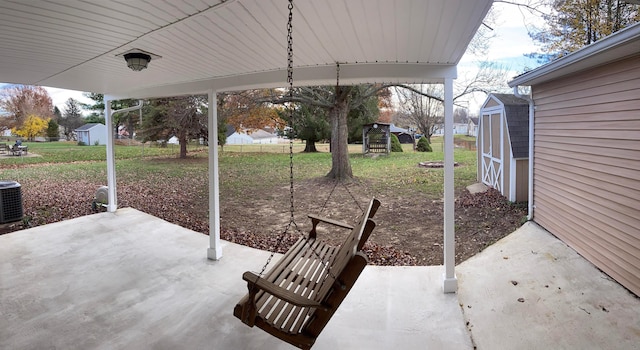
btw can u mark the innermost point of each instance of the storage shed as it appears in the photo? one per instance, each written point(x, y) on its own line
point(586, 165)
point(92, 134)
point(503, 145)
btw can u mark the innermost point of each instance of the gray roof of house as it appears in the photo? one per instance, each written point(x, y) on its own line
point(87, 126)
point(394, 128)
point(517, 113)
point(230, 130)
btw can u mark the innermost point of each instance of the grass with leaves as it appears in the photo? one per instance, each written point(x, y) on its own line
point(241, 167)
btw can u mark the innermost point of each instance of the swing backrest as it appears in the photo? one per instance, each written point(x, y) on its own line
point(352, 244)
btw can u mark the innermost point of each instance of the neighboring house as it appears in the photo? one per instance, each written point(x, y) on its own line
point(173, 140)
point(252, 137)
point(458, 129)
point(586, 165)
point(472, 127)
point(404, 135)
point(92, 133)
point(503, 145)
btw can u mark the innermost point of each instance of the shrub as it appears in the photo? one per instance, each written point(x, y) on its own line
point(395, 144)
point(423, 145)
point(81, 143)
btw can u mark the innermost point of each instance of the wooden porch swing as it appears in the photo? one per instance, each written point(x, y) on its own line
point(297, 297)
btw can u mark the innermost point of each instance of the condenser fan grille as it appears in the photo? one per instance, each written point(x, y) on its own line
point(10, 202)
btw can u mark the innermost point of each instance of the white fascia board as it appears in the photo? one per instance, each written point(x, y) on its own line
point(304, 76)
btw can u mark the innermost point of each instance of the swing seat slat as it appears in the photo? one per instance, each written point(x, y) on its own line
point(296, 298)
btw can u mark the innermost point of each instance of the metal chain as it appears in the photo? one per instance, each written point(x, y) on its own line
point(290, 112)
point(290, 106)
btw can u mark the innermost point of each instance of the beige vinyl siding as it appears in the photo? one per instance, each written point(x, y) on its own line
point(587, 165)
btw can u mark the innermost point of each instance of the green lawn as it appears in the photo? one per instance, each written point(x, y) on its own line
point(241, 167)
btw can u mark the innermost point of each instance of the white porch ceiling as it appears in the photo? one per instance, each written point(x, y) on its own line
point(231, 44)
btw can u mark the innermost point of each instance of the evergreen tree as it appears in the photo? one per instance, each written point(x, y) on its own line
point(53, 130)
point(423, 145)
point(395, 144)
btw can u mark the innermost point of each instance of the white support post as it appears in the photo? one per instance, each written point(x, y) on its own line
point(215, 249)
point(450, 282)
point(112, 206)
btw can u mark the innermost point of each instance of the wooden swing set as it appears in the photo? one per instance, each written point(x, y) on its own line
point(297, 297)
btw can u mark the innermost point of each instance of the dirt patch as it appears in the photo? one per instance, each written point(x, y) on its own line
point(409, 227)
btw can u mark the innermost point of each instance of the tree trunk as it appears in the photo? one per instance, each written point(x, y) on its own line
point(310, 147)
point(340, 164)
point(182, 139)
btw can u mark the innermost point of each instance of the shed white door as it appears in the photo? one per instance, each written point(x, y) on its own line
point(491, 150)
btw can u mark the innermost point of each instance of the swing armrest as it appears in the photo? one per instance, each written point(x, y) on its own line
point(278, 291)
point(315, 220)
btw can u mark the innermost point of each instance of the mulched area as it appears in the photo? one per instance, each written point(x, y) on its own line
point(407, 232)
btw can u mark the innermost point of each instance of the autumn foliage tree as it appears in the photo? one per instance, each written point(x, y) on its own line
point(20, 102)
point(32, 126)
point(248, 110)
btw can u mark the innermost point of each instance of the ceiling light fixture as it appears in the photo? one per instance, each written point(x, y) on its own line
point(138, 59)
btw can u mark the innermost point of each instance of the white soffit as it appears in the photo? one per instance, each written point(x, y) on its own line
point(231, 44)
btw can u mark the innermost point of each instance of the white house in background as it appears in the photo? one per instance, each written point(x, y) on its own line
point(472, 128)
point(259, 136)
point(92, 134)
point(458, 129)
point(173, 141)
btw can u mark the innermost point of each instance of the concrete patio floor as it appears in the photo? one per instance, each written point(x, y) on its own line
point(132, 281)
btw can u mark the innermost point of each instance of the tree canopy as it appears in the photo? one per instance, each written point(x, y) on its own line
point(572, 24)
point(71, 117)
point(184, 117)
point(22, 101)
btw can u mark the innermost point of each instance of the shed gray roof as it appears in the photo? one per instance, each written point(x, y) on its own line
point(516, 111)
point(88, 126)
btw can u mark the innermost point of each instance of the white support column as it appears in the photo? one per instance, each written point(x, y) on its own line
point(215, 249)
point(112, 206)
point(450, 282)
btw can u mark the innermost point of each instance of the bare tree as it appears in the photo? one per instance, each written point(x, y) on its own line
point(71, 117)
point(421, 107)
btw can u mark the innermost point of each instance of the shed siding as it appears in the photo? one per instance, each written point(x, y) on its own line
point(506, 160)
point(491, 103)
point(587, 165)
point(522, 185)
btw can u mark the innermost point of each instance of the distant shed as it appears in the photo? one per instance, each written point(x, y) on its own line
point(503, 145)
point(92, 134)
